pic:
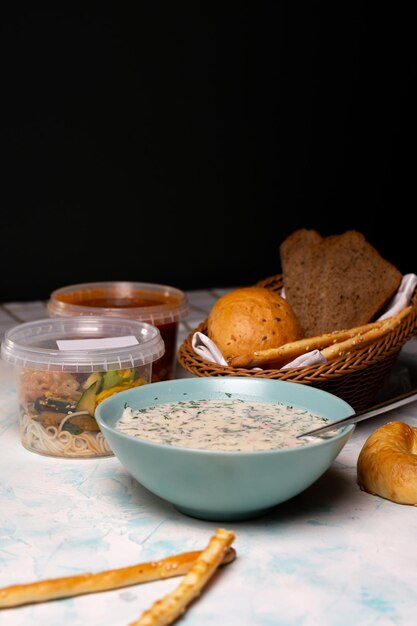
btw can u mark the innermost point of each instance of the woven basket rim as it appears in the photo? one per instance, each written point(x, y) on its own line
point(356, 360)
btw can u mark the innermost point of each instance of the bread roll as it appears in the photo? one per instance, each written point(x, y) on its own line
point(249, 319)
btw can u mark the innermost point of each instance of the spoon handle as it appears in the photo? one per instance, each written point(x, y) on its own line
point(383, 407)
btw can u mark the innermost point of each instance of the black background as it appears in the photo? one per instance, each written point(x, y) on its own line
point(182, 145)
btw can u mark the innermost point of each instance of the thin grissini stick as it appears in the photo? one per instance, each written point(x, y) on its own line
point(289, 351)
point(331, 345)
point(364, 339)
point(54, 588)
point(169, 608)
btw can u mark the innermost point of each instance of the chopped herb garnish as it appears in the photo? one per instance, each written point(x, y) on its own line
point(221, 424)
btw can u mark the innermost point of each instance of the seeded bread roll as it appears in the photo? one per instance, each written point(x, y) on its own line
point(249, 319)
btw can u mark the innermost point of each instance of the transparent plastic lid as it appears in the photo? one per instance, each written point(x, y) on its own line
point(101, 344)
point(147, 302)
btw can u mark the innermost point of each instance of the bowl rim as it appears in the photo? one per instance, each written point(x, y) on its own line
point(322, 442)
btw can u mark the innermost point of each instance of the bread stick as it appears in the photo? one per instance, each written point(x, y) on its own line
point(331, 345)
point(166, 610)
point(364, 339)
point(289, 351)
point(54, 588)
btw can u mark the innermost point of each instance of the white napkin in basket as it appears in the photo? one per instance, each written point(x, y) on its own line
point(402, 297)
point(206, 348)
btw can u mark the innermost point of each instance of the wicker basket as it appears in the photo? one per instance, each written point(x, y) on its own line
point(356, 377)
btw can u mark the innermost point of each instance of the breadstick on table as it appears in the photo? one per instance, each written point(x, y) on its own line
point(169, 608)
point(54, 588)
point(277, 357)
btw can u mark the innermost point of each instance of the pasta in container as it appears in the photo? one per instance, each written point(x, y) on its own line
point(66, 367)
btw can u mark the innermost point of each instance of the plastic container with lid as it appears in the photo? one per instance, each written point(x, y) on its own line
point(160, 305)
point(66, 367)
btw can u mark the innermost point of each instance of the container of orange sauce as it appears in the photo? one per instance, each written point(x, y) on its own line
point(160, 305)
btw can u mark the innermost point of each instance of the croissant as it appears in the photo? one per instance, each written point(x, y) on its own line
point(387, 463)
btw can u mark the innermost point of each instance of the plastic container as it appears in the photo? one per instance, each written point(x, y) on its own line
point(66, 367)
point(160, 305)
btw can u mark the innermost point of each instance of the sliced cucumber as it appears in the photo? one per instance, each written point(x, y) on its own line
point(72, 428)
point(95, 377)
point(111, 379)
point(85, 422)
point(117, 377)
point(87, 402)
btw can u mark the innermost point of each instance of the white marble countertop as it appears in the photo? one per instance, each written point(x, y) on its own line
point(333, 555)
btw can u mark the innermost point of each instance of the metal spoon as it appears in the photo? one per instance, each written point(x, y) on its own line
point(383, 407)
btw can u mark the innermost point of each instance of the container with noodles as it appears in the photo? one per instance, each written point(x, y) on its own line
point(65, 368)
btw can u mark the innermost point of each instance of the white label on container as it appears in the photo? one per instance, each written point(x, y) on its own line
point(101, 343)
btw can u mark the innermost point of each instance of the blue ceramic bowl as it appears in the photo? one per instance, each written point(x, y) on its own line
point(215, 485)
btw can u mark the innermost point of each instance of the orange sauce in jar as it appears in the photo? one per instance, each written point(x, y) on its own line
point(121, 300)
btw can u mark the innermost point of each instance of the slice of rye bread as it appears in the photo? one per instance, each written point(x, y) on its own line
point(295, 253)
point(346, 283)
